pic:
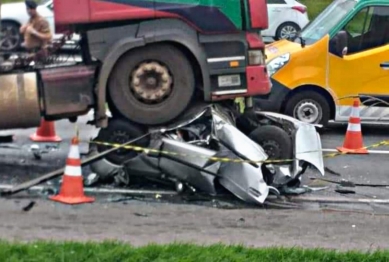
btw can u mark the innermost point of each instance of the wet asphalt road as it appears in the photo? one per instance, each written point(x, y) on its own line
point(162, 223)
point(17, 158)
point(140, 224)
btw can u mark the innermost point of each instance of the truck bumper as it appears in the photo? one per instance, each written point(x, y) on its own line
point(258, 81)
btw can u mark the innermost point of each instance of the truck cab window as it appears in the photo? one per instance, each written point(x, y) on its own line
point(368, 29)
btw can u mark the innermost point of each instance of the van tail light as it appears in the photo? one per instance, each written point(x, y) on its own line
point(301, 9)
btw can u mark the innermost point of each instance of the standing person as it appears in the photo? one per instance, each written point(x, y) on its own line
point(37, 33)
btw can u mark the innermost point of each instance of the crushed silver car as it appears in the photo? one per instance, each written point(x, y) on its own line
point(211, 148)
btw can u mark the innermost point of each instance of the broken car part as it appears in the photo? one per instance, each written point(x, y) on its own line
point(307, 142)
point(242, 179)
point(202, 177)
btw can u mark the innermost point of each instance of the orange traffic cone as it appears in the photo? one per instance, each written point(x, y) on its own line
point(45, 133)
point(353, 142)
point(72, 188)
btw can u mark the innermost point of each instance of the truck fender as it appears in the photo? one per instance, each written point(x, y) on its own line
point(164, 30)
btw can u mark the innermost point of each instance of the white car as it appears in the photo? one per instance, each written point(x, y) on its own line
point(286, 19)
point(14, 15)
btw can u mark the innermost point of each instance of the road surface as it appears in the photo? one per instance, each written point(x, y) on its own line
point(140, 222)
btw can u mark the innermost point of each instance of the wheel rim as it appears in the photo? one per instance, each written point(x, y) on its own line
point(288, 32)
point(120, 137)
point(309, 112)
point(10, 38)
point(122, 154)
point(151, 83)
point(272, 149)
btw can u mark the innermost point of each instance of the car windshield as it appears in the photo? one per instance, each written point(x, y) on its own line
point(329, 18)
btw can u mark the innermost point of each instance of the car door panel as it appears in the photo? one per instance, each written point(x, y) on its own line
point(361, 75)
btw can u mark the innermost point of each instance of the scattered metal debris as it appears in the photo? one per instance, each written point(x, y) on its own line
point(6, 139)
point(29, 206)
point(140, 215)
point(332, 172)
point(315, 189)
point(342, 190)
point(91, 179)
point(35, 149)
point(346, 183)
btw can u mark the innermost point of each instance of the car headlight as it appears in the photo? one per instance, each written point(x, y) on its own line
point(277, 63)
point(256, 57)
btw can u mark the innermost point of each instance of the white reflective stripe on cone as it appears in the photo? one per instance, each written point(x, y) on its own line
point(73, 171)
point(355, 112)
point(354, 127)
point(74, 152)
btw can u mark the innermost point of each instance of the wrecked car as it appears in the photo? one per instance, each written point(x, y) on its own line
point(213, 148)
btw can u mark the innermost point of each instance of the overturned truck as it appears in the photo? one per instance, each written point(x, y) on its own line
point(204, 151)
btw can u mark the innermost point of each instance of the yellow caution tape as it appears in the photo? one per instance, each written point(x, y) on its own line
point(77, 130)
point(224, 159)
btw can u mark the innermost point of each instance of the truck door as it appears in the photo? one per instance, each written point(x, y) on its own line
point(111, 10)
point(362, 71)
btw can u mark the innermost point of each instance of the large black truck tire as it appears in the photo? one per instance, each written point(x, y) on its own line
point(152, 85)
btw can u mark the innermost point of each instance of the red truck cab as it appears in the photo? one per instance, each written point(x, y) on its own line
point(220, 39)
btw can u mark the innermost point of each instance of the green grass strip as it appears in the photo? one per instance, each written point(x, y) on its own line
point(112, 252)
point(315, 7)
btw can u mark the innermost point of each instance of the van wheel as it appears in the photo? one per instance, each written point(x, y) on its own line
point(287, 31)
point(152, 85)
point(276, 143)
point(309, 107)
